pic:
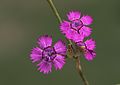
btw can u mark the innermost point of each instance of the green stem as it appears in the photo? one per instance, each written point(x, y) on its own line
point(56, 14)
point(79, 69)
point(54, 10)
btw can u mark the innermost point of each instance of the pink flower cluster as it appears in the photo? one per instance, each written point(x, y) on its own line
point(77, 29)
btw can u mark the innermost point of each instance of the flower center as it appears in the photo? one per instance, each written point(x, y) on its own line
point(76, 25)
point(49, 54)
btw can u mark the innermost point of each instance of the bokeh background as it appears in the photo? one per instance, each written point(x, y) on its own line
point(22, 21)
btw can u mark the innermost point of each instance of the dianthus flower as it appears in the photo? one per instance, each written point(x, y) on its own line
point(47, 55)
point(87, 48)
point(76, 28)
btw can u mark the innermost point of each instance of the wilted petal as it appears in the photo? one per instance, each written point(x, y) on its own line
point(45, 41)
point(87, 20)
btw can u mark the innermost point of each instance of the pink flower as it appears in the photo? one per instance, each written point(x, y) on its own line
point(76, 28)
point(46, 55)
point(87, 48)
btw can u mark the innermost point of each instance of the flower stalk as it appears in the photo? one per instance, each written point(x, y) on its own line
point(79, 69)
point(54, 9)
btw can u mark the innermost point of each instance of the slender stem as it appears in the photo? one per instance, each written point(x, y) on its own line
point(79, 69)
point(56, 14)
point(54, 10)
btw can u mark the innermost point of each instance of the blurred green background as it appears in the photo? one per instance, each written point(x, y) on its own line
point(22, 21)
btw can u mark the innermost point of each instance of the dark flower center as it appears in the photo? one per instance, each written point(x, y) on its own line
point(76, 25)
point(49, 54)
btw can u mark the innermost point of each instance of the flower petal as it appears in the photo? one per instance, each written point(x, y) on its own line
point(90, 44)
point(45, 41)
point(73, 15)
point(45, 67)
point(69, 33)
point(74, 36)
point(77, 37)
point(64, 26)
point(89, 55)
point(58, 62)
point(87, 20)
point(85, 31)
point(60, 47)
point(36, 54)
